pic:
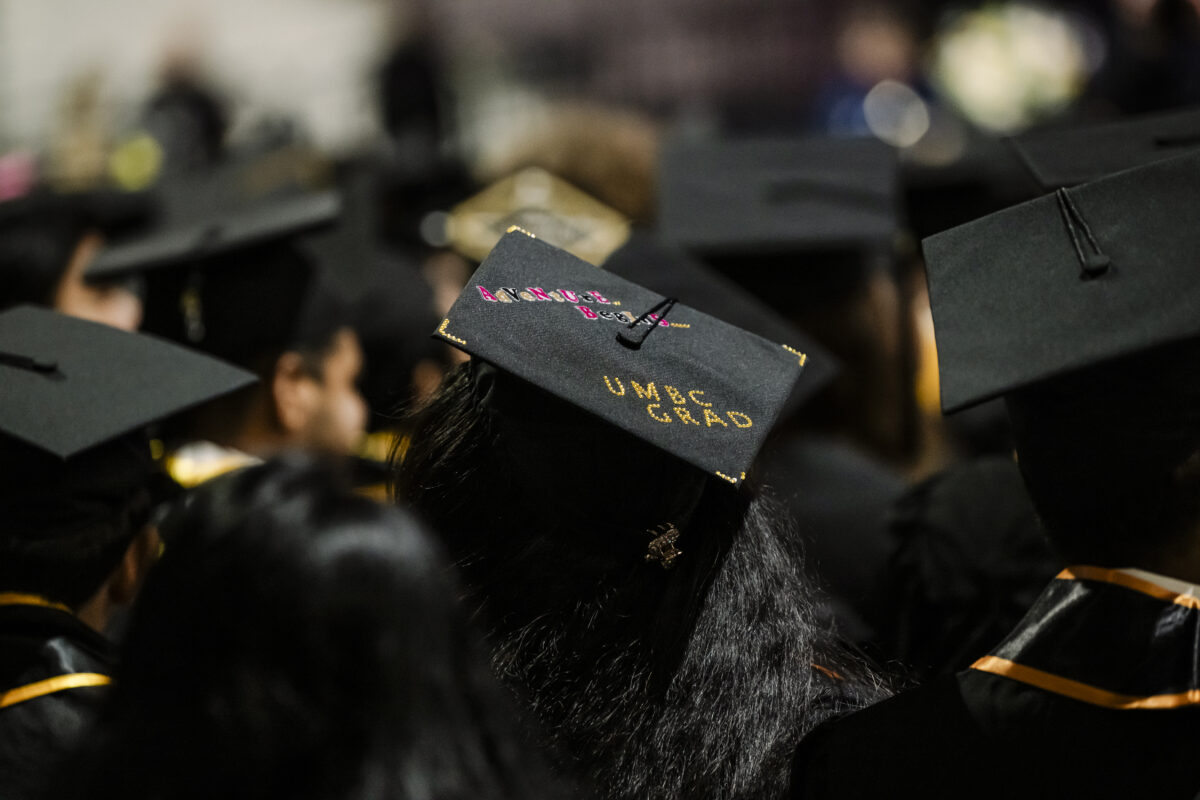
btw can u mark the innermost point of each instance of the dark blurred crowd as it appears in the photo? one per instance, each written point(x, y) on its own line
point(393, 473)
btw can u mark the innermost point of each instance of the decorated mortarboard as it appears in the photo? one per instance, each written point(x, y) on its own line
point(543, 204)
point(770, 196)
point(70, 385)
point(187, 241)
point(1070, 156)
point(1065, 282)
point(695, 387)
point(561, 215)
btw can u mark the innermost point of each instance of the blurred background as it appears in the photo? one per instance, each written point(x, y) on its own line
point(97, 91)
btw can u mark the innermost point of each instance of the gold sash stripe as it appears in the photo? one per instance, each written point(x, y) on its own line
point(1082, 691)
point(22, 599)
point(1115, 576)
point(74, 680)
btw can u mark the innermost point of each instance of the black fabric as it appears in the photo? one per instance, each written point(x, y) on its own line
point(1013, 304)
point(1082, 153)
point(697, 388)
point(36, 736)
point(1075, 619)
point(985, 736)
point(778, 195)
point(840, 500)
point(101, 382)
point(90, 505)
point(967, 561)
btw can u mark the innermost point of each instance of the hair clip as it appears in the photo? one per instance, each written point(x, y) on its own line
point(662, 547)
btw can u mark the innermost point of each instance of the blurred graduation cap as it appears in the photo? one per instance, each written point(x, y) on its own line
point(537, 201)
point(41, 232)
point(187, 241)
point(71, 385)
point(110, 211)
point(776, 196)
point(691, 385)
point(1066, 282)
point(561, 215)
point(234, 284)
point(1070, 156)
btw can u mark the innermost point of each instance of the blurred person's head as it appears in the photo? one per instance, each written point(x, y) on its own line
point(298, 641)
point(609, 153)
point(1111, 458)
point(251, 295)
point(78, 532)
point(46, 245)
point(267, 309)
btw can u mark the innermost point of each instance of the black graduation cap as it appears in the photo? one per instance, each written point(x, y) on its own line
point(184, 242)
point(109, 211)
point(70, 385)
point(1067, 281)
point(776, 195)
point(687, 383)
point(235, 285)
point(1070, 156)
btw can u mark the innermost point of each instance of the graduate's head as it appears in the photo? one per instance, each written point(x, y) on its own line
point(809, 226)
point(70, 523)
point(588, 472)
point(241, 286)
point(47, 243)
point(267, 309)
point(1079, 308)
point(577, 400)
point(310, 642)
point(1111, 457)
point(79, 484)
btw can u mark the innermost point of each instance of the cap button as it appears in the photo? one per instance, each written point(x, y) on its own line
point(1095, 265)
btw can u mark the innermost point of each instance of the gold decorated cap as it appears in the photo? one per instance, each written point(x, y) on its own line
point(543, 204)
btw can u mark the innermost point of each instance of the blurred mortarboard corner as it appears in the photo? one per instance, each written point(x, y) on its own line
point(188, 241)
point(773, 196)
point(71, 385)
point(697, 388)
point(110, 211)
point(1065, 282)
point(1078, 154)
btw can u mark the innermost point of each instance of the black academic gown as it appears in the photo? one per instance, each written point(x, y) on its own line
point(1095, 694)
point(54, 672)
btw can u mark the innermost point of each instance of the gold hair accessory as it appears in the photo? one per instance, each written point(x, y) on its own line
point(662, 547)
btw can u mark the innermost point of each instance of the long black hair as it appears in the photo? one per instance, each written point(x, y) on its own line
point(696, 681)
point(297, 641)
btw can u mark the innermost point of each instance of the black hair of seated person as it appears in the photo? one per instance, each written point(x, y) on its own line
point(34, 254)
point(299, 641)
point(651, 683)
point(67, 524)
point(1111, 457)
